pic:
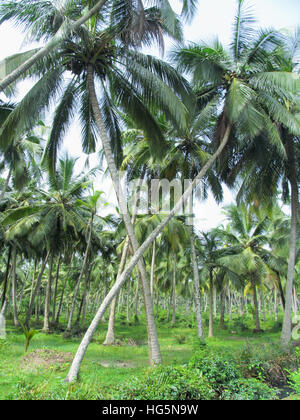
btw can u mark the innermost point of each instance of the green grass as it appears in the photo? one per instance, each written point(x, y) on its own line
point(94, 378)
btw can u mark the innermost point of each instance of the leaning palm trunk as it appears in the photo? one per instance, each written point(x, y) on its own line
point(110, 335)
point(287, 320)
point(154, 349)
point(74, 370)
point(62, 34)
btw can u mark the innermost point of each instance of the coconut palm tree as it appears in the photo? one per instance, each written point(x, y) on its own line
point(239, 82)
point(263, 169)
point(64, 20)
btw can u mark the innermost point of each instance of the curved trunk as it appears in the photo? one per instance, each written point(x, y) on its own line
point(74, 370)
point(110, 335)
point(286, 332)
point(154, 349)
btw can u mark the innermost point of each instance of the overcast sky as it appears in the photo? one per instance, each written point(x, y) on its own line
point(214, 17)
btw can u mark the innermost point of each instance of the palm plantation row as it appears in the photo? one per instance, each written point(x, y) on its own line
point(210, 114)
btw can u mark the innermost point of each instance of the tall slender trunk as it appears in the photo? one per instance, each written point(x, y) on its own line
point(222, 313)
point(286, 332)
point(152, 268)
point(154, 349)
point(215, 301)
point(211, 302)
point(6, 277)
point(33, 279)
point(82, 271)
point(136, 299)
point(255, 302)
point(110, 335)
point(63, 292)
point(174, 291)
point(14, 286)
point(46, 327)
point(62, 34)
point(55, 289)
point(200, 331)
point(37, 288)
point(275, 304)
point(75, 367)
point(83, 300)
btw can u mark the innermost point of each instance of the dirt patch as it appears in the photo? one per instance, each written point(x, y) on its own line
point(116, 364)
point(45, 359)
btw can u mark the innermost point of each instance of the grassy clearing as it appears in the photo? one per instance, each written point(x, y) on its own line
point(177, 345)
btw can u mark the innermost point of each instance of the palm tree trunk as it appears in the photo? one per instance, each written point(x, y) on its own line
point(75, 367)
point(55, 289)
point(211, 302)
point(255, 302)
point(46, 327)
point(82, 271)
point(6, 277)
point(275, 304)
point(110, 335)
point(154, 349)
point(222, 313)
point(200, 330)
point(36, 290)
point(174, 291)
point(152, 268)
point(14, 286)
point(62, 293)
point(62, 34)
point(286, 332)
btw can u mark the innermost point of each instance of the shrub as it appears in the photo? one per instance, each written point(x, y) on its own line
point(295, 381)
point(166, 383)
point(239, 325)
point(268, 362)
point(217, 367)
point(180, 338)
point(247, 390)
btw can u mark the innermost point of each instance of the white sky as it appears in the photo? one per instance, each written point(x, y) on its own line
point(214, 17)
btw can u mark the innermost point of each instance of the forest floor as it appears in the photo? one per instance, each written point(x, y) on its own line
point(46, 364)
